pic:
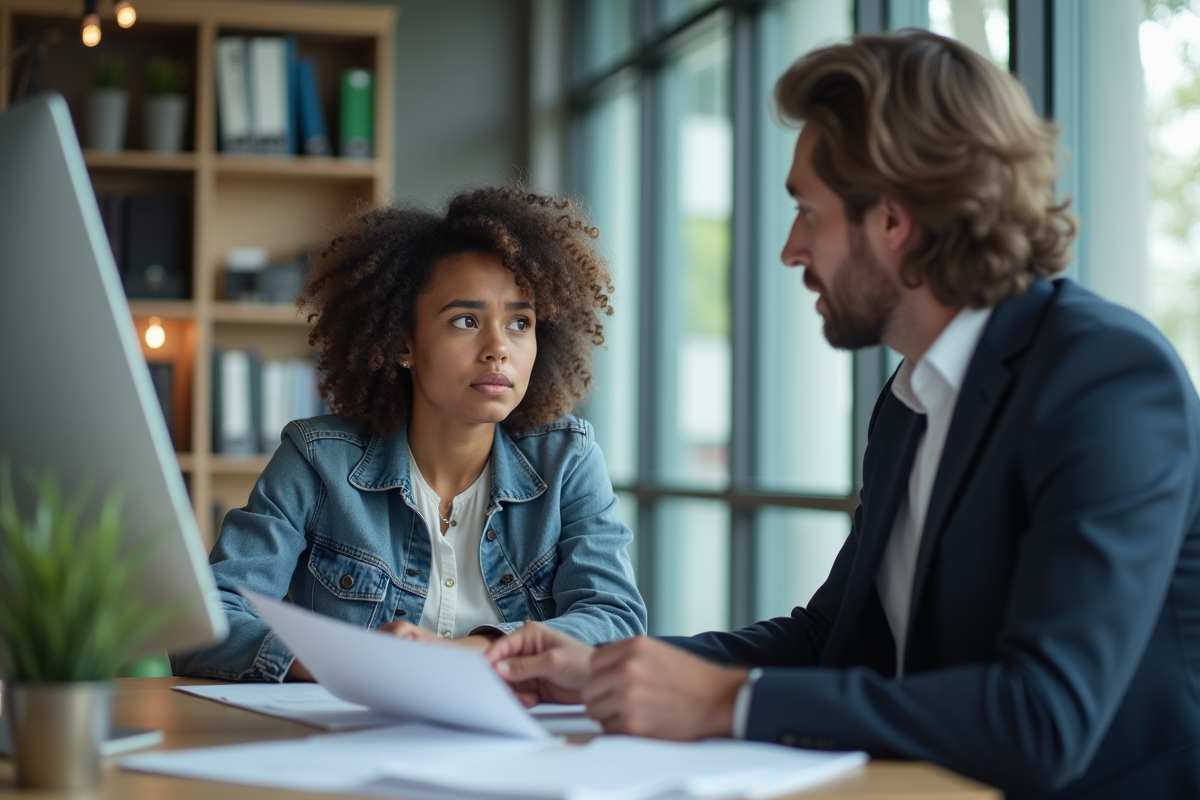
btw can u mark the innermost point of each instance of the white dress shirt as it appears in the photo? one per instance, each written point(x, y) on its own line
point(458, 601)
point(929, 387)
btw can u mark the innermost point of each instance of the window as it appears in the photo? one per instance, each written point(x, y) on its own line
point(726, 420)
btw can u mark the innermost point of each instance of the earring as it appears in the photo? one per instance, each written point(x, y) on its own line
point(404, 364)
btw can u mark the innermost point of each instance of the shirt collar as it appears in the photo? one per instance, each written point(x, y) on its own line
point(949, 356)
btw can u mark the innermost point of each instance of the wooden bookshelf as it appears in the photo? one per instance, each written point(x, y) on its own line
point(282, 203)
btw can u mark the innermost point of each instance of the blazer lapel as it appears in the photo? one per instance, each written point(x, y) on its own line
point(1010, 330)
point(888, 462)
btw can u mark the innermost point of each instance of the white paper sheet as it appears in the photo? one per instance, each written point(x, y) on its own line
point(425, 760)
point(312, 704)
point(625, 768)
point(309, 703)
point(399, 677)
point(341, 762)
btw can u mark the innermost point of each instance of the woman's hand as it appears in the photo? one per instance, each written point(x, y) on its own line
point(406, 630)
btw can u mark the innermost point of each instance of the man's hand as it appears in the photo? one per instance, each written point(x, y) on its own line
point(644, 687)
point(406, 630)
point(541, 664)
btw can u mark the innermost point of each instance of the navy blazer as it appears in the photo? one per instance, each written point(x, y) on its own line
point(1054, 633)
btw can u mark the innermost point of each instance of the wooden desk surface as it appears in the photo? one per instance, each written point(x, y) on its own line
point(188, 721)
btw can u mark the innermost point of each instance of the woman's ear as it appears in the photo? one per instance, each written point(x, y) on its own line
point(404, 358)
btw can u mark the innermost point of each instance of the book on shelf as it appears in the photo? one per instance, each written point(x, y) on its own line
point(233, 95)
point(255, 398)
point(314, 135)
point(155, 258)
point(256, 94)
point(357, 119)
point(161, 374)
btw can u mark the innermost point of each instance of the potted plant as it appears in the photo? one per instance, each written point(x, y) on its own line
point(166, 105)
point(70, 617)
point(108, 105)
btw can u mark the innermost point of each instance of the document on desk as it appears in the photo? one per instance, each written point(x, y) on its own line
point(428, 761)
point(312, 704)
point(398, 677)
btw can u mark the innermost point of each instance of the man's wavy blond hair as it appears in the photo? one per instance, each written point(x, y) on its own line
point(927, 122)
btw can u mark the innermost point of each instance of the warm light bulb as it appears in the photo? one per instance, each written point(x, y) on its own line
point(126, 16)
point(91, 30)
point(155, 335)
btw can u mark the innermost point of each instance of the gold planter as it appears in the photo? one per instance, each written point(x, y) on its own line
point(57, 730)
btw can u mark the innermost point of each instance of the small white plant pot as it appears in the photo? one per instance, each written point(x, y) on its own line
point(166, 122)
point(108, 110)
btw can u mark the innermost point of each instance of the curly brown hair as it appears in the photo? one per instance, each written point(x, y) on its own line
point(931, 124)
point(365, 281)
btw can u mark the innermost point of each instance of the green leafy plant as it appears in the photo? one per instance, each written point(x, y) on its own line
point(166, 76)
point(69, 605)
point(109, 72)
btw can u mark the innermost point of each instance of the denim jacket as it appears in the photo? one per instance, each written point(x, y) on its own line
point(332, 524)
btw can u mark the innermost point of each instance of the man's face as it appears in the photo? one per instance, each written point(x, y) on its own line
point(856, 293)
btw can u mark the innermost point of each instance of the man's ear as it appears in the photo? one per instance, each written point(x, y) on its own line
point(897, 228)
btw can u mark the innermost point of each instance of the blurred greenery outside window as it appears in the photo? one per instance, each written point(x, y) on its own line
point(1169, 36)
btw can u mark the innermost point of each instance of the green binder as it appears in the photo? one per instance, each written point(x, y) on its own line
point(358, 114)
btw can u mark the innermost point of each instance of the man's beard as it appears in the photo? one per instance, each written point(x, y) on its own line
point(860, 300)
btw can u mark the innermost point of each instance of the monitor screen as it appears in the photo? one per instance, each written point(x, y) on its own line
point(76, 394)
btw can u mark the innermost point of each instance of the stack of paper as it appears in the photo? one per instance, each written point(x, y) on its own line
point(426, 760)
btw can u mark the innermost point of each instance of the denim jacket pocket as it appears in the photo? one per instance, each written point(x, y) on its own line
point(347, 577)
point(540, 584)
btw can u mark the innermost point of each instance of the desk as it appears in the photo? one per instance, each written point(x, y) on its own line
point(189, 721)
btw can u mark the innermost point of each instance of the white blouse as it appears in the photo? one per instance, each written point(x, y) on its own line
point(458, 599)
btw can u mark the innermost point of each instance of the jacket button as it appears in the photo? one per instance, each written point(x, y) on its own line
point(411, 571)
point(491, 535)
point(507, 578)
point(400, 612)
point(347, 581)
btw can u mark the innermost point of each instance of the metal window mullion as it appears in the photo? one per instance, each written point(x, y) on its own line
point(745, 85)
point(870, 16)
point(650, 354)
point(1030, 36)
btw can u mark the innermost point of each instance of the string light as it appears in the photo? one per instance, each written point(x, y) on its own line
point(156, 337)
point(126, 16)
point(91, 30)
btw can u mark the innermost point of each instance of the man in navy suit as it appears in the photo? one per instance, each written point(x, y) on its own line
point(1019, 598)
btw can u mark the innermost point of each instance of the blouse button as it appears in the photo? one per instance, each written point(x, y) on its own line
point(446, 634)
point(507, 578)
point(449, 582)
point(491, 536)
point(347, 581)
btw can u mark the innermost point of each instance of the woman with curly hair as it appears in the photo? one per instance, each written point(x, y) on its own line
point(450, 494)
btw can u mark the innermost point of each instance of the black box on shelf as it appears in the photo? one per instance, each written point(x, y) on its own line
point(156, 259)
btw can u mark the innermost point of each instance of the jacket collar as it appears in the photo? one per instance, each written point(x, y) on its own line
point(384, 466)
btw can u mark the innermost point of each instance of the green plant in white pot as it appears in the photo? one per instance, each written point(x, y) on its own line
point(107, 105)
point(166, 105)
point(70, 616)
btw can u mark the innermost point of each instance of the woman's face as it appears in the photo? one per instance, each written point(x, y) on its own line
point(473, 342)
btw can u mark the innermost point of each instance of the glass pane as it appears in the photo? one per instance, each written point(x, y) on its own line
point(610, 186)
point(796, 548)
point(1170, 49)
point(981, 25)
point(610, 32)
point(805, 413)
point(672, 12)
point(691, 575)
point(692, 312)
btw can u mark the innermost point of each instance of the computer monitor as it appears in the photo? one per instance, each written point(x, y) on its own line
point(75, 391)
